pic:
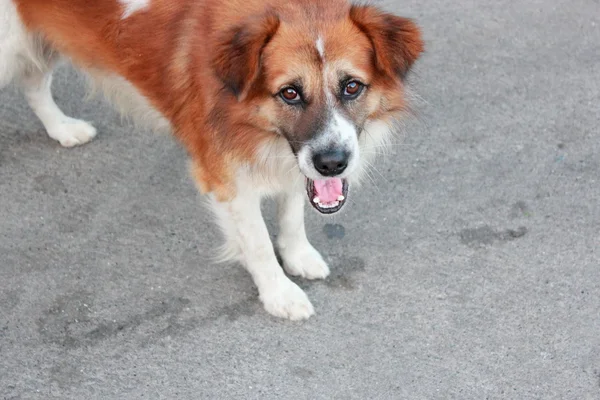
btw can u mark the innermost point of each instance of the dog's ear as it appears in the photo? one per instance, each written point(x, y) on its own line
point(238, 55)
point(396, 41)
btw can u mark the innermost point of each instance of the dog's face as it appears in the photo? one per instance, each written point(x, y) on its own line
point(319, 83)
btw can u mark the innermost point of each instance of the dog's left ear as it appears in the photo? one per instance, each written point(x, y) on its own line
point(238, 54)
point(396, 41)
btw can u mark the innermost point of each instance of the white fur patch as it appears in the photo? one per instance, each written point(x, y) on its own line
point(321, 47)
point(132, 6)
point(127, 100)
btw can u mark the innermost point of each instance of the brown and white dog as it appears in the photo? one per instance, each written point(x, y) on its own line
point(269, 97)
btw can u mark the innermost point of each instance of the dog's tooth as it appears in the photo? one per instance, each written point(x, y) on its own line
point(316, 200)
point(329, 205)
point(341, 197)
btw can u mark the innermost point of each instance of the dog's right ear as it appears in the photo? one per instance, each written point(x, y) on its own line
point(239, 50)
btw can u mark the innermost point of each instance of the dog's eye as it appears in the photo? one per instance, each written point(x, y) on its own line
point(290, 95)
point(352, 90)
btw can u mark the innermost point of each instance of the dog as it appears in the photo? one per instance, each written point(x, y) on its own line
point(269, 98)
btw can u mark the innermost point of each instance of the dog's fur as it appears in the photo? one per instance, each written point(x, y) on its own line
point(213, 71)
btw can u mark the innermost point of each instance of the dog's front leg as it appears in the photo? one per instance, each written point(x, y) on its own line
point(248, 240)
point(299, 257)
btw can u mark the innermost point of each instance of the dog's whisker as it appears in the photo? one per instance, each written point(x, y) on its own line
point(374, 168)
point(367, 172)
point(368, 175)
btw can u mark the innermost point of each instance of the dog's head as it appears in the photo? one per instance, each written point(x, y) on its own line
point(319, 78)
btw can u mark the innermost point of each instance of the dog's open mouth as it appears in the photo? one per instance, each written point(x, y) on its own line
point(328, 195)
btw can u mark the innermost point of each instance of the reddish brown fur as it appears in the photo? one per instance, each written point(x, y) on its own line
point(211, 70)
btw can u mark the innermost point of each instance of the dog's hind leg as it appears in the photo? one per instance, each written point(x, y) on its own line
point(66, 130)
point(26, 59)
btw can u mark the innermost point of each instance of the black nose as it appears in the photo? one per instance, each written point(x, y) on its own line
point(331, 163)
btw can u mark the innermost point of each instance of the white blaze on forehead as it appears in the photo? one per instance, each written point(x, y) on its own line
point(132, 6)
point(320, 43)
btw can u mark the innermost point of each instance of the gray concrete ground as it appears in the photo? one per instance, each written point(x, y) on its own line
point(468, 268)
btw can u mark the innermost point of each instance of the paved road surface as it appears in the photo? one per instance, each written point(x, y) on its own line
point(468, 269)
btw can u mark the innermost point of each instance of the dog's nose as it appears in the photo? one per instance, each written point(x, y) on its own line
point(331, 163)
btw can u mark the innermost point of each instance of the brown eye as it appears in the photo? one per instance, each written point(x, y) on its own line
point(353, 89)
point(290, 95)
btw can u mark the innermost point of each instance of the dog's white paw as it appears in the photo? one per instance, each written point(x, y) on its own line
point(304, 261)
point(72, 132)
point(286, 300)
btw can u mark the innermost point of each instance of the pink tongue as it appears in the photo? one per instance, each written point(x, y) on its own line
point(328, 190)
